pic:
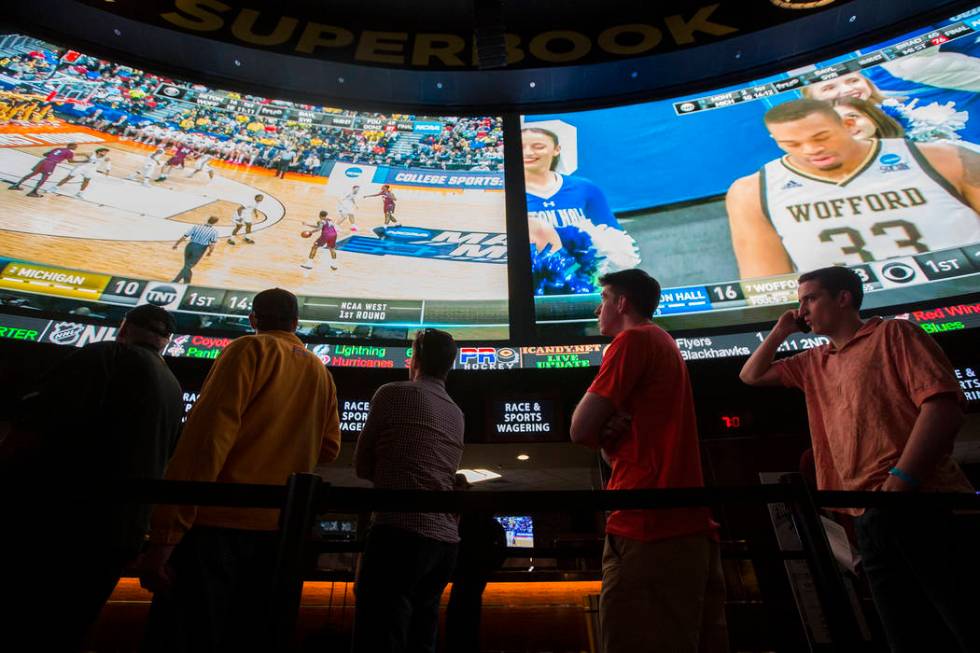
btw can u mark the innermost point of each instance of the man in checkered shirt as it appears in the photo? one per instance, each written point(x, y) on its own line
point(412, 440)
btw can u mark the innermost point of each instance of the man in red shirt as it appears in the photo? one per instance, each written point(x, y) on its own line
point(662, 583)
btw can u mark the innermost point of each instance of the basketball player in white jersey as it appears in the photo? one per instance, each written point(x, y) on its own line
point(203, 162)
point(151, 164)
point(346, 206)
point(243, 217)
point(146, 133)
point(834, 199)
point(99, 163)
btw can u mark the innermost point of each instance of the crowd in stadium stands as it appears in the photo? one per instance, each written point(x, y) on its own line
point(477, 143)
point(114, 86)
point(122, 100)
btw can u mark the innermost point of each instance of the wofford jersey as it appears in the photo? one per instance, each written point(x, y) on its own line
point(895, 204)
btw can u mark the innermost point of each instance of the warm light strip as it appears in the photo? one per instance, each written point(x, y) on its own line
point(319, 593)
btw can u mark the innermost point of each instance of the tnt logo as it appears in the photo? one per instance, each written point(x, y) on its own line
point(477, 355)
point(163, 294)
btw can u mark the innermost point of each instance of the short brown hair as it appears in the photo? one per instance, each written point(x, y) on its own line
point(642, 290)
point(435, 352)
point(836, 279)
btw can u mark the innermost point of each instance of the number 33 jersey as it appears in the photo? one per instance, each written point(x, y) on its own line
point(894, 204)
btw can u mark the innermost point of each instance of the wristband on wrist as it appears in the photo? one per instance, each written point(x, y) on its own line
point(907, 478)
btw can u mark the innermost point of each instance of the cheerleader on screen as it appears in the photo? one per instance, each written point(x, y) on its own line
point(568, 212)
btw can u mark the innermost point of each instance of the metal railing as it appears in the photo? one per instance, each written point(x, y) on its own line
point(306, 495)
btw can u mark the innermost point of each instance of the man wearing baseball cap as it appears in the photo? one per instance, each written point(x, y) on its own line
point(154, 326)
point(107, 413)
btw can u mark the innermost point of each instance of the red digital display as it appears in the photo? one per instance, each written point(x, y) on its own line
point(731, 422)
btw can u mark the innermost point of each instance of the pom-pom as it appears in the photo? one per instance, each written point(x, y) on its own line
point(616, 248)
point(571, 270)
point(931, 122)
point(588, 251)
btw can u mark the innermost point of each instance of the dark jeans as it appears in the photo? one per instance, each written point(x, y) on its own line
point(924, 576)
point(222, 597)
point(463, 613)
point(482, 549)
point(192, 255)
point(399, 584)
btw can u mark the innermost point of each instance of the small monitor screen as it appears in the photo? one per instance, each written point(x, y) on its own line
point(524, 418)
point(334, 527)
point(969, 378)
point(353, 414)
point(519, 530)
point(190, 398)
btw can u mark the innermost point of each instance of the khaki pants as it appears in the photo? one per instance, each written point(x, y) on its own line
point(666, 596)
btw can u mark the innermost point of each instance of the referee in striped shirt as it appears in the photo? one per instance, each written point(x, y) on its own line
point(202, 238)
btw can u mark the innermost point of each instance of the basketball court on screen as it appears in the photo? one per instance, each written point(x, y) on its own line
point(120, 226)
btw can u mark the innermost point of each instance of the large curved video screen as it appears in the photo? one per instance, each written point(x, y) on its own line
point(868, 160)
point(125, 187)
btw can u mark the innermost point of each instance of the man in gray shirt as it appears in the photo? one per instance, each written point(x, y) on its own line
point(413, 440)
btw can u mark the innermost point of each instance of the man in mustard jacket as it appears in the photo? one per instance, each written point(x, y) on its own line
point(268, 409)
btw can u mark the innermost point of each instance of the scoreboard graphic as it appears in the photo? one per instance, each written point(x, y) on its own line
point(47, 280)
point(932, 274)
point(38, 279)
point(905, 48)
point(956, 317)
